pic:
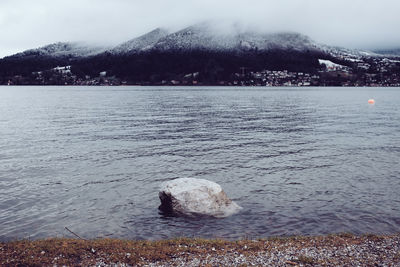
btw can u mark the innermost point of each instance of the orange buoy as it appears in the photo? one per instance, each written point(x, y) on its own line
point(371, 101)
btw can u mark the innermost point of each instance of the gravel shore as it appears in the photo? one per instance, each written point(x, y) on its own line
point(332, 250)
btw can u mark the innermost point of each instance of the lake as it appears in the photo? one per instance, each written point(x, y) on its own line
point(306, 161)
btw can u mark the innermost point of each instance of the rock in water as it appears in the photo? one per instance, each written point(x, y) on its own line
point(191, 197)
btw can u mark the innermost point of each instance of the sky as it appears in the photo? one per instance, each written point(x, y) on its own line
point(364, 24)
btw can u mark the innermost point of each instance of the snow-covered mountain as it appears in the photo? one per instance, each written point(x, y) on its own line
point(208, 53)
point(204, 36)
point(141, 43)
point(64, 49)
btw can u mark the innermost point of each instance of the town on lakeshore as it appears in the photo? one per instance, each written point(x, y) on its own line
point(375, 72)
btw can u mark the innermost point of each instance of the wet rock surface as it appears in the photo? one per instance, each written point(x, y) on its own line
point(195, 197)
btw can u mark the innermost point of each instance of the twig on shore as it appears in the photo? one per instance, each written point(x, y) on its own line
point(74, 234)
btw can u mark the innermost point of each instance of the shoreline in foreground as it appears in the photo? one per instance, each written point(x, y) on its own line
point(330, 250)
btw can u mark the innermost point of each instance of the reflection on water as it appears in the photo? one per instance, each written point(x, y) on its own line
point(300, 161)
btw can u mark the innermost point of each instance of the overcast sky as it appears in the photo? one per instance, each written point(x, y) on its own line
point(366, 24)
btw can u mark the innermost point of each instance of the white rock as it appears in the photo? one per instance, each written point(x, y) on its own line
point(189, 196)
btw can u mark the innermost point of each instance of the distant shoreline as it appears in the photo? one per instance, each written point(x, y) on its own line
point(200, 85)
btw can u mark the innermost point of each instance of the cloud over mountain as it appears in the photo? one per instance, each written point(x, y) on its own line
point(360, 23)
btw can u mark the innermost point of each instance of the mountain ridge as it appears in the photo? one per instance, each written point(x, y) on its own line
point(199, 36)
point(140, 43)
point(204, 36)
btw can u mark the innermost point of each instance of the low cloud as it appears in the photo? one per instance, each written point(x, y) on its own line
point(366, 24)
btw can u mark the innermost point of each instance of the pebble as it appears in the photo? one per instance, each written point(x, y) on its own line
point(370, 253)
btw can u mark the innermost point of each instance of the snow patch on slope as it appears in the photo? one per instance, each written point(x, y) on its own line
point(329, 64)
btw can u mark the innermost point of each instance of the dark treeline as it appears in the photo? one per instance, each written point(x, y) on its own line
point(155, 66)
point(15, 65)
point(212, 66)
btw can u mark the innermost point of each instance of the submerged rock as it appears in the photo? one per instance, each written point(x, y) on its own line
point(193, 197)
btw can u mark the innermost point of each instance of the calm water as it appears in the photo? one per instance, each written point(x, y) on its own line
point(300, 161)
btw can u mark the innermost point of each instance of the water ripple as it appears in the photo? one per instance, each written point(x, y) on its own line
point(300, 161)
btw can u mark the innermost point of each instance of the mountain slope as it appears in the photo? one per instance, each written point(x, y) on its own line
point(62, 50)
point(47, 57)
point(205, 37)
point(141, 43)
